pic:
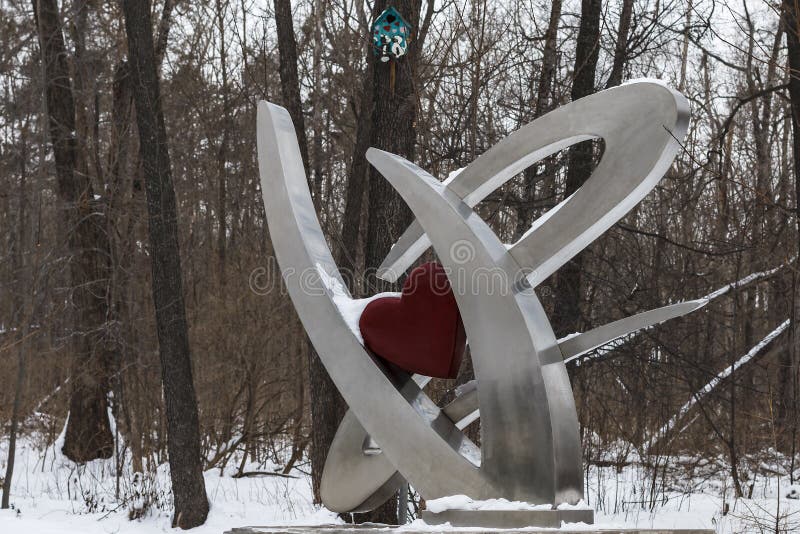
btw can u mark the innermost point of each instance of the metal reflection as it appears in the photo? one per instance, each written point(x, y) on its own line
point(529, 430)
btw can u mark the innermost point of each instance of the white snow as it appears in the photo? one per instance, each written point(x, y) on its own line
point(50, 495)
point(452, 175)
point(462, 502)
point(580, 505)
point(746, 280)
point(657, 81)
point(569, 336)
point(350, 308)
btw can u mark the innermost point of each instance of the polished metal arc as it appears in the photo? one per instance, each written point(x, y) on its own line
point(575, 346)
point(530, 443)
point(530, 447)
point(355, 457)
point(419, 441)
point(370, 477)
point(641, 124)
point(376, 479)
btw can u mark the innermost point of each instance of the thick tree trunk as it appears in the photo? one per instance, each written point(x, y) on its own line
point(567, 317)
point(789, 378)
point(393, 128)
point(183, 428)
point(290, 84)
point(347, 255)
point(327, 410)
point(621, 48)
point(386, 120)
point(88, 433)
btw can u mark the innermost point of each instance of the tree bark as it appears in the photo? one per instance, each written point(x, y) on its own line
point(347, 254)
point(386, 120)
point(88, 433)
point(327, 410)
point(790, 369)
point(621, 48)
point(393, 128)
point(567, 317)
point(317, 126)
point(394, 115)
point(183, 428)
point(290, 84)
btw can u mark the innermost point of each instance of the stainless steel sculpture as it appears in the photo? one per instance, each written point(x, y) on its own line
point(529, 429)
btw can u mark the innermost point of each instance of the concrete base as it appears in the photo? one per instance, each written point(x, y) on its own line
point(372, 528)
point(508, 519)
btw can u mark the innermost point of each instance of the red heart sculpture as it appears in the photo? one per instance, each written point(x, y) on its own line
point(421, 330)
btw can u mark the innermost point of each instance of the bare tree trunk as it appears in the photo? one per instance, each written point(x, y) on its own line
point(393, 128)
point(621, 48)
point(16, 410)
point(318, 14)
point(88, 433)
point(327, 410)
point(183, 434)
point(355, 197)
point(290, 84)
point(685, 46)
point(790, 374)
point(567, 317)
point(164, 24)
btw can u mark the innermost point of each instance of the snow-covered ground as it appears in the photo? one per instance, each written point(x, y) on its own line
point(50, 495)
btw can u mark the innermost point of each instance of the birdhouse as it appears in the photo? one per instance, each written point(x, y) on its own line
point(390, 35)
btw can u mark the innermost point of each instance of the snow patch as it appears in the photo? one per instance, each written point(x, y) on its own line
point(47, 497)
point(580, 505)
point(656, 81)
point(462, 502)
point(350, 308)
point(569, 336)
point(452, 175)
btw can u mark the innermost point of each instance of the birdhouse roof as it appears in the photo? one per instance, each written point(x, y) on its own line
point(391, 11)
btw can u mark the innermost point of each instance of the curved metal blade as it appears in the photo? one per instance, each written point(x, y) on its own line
point(573, 347)
point(640, 123)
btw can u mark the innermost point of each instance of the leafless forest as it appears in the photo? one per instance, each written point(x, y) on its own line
point(87, 255)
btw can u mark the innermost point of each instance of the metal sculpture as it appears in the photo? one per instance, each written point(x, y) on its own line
point(530, 447)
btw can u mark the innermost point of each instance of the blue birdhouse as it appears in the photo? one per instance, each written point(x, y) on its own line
point(390, 35)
